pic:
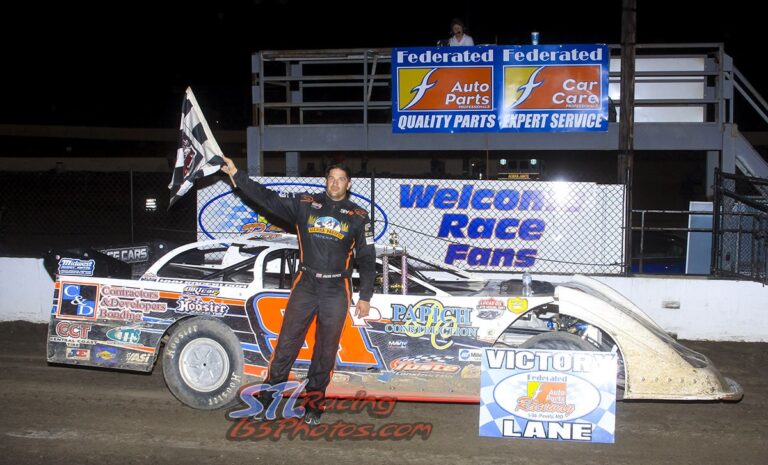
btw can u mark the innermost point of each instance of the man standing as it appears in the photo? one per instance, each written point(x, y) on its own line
point(330, 228)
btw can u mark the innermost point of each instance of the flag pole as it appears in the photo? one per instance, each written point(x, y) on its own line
point(234, 184)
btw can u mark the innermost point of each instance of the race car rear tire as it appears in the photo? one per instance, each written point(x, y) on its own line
point(203, 364)
point(560, 340)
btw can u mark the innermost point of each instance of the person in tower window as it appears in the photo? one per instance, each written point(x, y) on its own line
point(459, 36)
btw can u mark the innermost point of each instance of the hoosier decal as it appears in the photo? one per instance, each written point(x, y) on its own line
point(199, 306)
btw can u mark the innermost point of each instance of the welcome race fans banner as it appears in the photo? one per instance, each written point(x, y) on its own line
point(524, 88)
point(477, 225)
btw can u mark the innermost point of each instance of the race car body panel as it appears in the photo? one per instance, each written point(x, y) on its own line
point(657, 366)
point(423, 339)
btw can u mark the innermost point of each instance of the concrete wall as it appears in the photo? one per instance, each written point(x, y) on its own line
point(700, 308)
point(26, 290)
point(693, 308)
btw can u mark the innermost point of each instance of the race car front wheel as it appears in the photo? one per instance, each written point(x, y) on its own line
point(203, 364)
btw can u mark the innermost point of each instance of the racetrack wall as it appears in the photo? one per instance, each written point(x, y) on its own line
point(695, 308)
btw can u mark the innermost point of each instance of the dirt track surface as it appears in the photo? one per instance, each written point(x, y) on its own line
point(71, 415)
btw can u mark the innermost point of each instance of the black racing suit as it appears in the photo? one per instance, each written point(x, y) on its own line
point(329, 232)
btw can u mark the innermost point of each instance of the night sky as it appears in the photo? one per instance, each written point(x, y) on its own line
point(126, 64)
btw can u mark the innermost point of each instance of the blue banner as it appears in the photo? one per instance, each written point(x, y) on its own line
point(527, 88)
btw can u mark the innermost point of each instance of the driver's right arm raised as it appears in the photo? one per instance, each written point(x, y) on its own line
point(283, 205)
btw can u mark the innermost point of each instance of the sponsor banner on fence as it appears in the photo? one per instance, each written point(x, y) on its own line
point(542, 394)
point(525, 88)
point(555, 227)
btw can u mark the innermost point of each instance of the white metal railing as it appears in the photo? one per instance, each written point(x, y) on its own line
point(674, 83)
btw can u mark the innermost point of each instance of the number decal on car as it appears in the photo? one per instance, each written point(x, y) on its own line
point(354, 347)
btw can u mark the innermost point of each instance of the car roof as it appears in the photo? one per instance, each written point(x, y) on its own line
point(287, 240)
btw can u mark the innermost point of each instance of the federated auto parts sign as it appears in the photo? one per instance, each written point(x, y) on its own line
point(525, 88)
point(474, 225)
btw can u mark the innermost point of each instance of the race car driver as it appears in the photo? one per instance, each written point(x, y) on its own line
point(330, 229)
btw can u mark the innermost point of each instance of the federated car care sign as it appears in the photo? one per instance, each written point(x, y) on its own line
point(543, 394)
point(528, 88)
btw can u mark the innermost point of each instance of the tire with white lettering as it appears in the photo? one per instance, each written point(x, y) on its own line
point(203, 364)
point(560, 340)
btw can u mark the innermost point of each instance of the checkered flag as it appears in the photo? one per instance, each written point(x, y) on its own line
point(198, 154)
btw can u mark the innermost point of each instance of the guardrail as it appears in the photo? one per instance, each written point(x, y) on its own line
point(660, 241)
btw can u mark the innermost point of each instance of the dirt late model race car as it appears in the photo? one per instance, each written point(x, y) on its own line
point(213, 311)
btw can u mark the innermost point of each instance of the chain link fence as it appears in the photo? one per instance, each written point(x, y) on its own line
point(741, 227)
point(43, 210)
point(500, 226)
